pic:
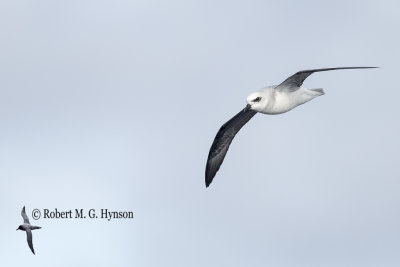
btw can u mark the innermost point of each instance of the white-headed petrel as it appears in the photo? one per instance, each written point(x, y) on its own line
point(269, 100)
point(27, 227)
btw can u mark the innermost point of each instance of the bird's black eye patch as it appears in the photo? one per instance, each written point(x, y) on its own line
point(257, 99)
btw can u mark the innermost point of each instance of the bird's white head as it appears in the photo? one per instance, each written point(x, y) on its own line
point(257, 101)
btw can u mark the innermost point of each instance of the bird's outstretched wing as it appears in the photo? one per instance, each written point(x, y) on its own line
point(23, 214)
point(222, 141)
point(29, 239)
point(296, 80)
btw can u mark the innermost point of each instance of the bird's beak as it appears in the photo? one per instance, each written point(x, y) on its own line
point(17, 229)
point(248, 107)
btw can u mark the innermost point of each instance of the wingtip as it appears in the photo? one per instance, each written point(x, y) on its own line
point(207, 183)
point(363, 67)
point(208, 176)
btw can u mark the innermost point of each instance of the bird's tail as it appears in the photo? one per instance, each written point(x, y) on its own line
point(36, 227)
point(318, 91)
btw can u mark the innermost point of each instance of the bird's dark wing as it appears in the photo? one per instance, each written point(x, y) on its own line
point(296, 80)
point(29, 239)
point(222, 141)
point(23, 214)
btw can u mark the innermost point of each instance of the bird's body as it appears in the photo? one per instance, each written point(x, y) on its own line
point(27, 227)
point(271, 100)
point(277, 102)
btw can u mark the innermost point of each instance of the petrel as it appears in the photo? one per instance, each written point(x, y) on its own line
point(269, 100)
point(27, 227)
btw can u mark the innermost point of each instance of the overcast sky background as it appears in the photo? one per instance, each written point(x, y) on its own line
point(115, 104)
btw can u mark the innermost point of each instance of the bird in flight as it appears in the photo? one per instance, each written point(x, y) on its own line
point(269, 100)
point(27, 227)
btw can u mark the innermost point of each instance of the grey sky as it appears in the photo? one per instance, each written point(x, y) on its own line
point(114, 104)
